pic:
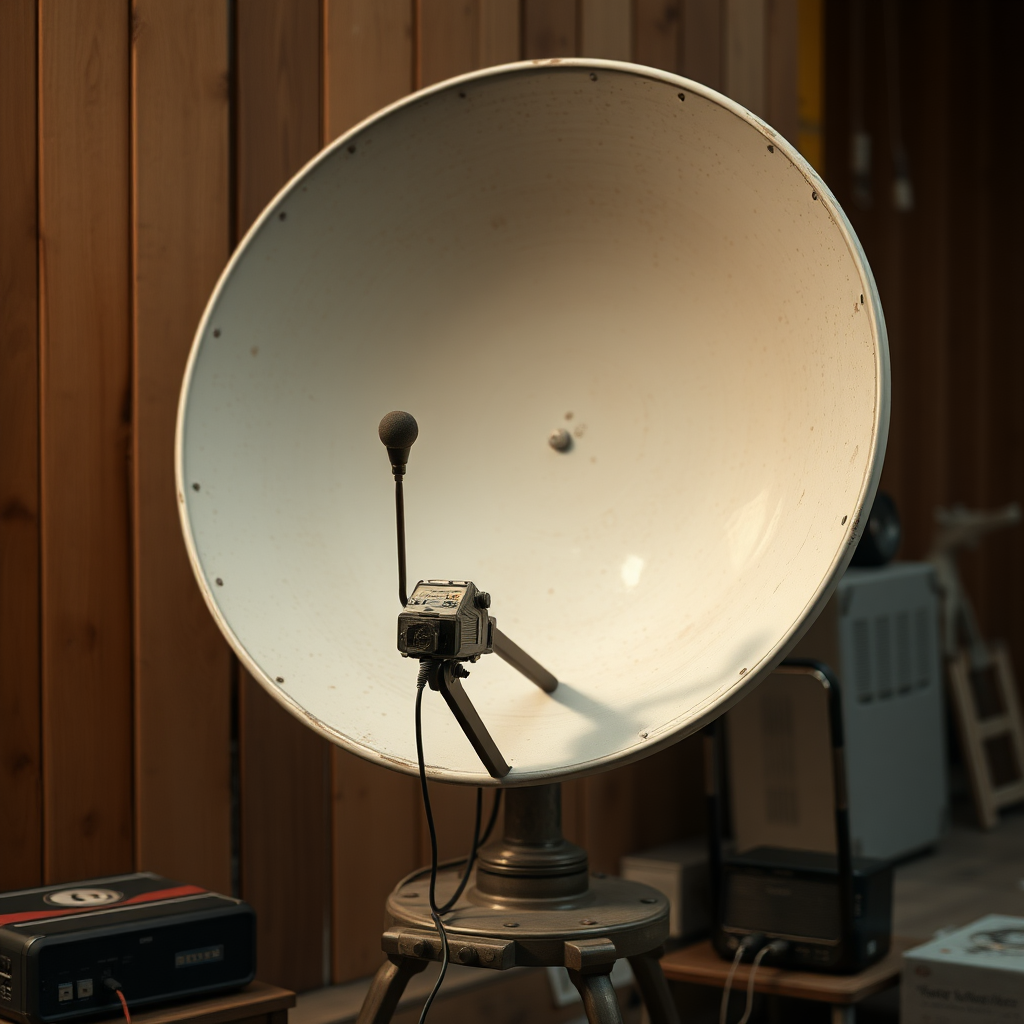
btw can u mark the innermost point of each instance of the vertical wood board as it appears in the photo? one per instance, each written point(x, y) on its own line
point(702, 41)
point(448, 39)
point(744, 50)
point(20, 778)
point(782, 41)
point(84, 111)
point(500, 32)
point(606, 29)
point(549, 29)
point(180, 133)
point(286, 840)
point(277, 104)
point(368, 59)
point(658, 34)
point(376, 813)
point(284, 802)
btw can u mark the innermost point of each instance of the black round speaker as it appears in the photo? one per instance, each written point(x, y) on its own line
point(882, 535)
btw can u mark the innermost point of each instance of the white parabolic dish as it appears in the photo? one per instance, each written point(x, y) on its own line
point(580, 244)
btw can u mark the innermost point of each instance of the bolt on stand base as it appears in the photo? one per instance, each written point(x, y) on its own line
point(532, 904)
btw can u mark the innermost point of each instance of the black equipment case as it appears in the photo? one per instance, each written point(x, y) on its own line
point(66, 949)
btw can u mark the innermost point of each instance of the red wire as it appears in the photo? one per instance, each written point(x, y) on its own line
point(124, 1006)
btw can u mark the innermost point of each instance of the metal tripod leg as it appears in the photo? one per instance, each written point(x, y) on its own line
point(654, 990)
point(387, 987)
point(598, 996)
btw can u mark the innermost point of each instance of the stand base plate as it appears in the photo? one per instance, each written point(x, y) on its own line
point(623, 918)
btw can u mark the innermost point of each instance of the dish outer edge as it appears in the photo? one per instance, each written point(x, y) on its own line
point(715, 704)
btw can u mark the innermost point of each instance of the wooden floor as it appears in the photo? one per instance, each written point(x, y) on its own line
point(970, 874)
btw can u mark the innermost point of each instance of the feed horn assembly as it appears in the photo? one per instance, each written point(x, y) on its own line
point(646, 362)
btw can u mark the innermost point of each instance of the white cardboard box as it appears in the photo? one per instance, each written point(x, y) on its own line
point(975, 974)
point(680, 871)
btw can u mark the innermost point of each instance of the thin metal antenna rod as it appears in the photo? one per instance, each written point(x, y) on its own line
point(398, 431)
point(400, 519)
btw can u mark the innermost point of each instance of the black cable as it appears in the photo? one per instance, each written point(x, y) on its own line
point(478, 840)
point(472, 855)
point(421, 682)
point(493, 818)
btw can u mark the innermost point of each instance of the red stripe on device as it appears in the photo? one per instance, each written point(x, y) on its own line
point(146, 897)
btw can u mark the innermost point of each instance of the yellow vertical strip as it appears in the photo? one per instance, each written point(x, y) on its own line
point(811, 83)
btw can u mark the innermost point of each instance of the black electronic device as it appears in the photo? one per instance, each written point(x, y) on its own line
point(832, 911)
point(446, 619)
point(65, 950)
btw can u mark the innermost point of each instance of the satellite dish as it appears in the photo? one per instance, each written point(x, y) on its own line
point(607, 256)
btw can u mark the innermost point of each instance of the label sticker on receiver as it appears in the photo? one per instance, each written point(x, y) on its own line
point(86, 898)
point(195, 957)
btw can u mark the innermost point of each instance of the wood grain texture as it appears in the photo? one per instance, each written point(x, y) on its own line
point(910, 256)
point(454, 811)
point(278, 98)
point(20, 766)
point(448, 39)
point(180, 133)
point(286, 840)
point(285, 797)
point(368, 59)
point(376, 816)
point(744, 50)
point(948, 272)
point(641, 805)
point(606, 29)
point(703, 41)
point(782, 58)
point(456, 36)
point(500, 32)
point(550, 29)
point(658, 34)
point(86, 416)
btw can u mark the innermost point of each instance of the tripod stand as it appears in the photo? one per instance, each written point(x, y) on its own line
point(532, 904)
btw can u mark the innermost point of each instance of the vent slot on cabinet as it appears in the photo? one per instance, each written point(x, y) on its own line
point(862, 660)
point(922, 645)
point(883, 651)
point(904, 664)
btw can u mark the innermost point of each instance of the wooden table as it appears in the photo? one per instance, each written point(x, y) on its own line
point(257, 1003)
point(699, 964)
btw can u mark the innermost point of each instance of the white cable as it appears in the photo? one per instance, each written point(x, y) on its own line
point(740, 950)
point(750, 982)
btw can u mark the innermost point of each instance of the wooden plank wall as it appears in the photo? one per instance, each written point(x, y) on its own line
point(951, 270)
point(141, 140)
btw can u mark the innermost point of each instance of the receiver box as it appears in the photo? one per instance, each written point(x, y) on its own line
point(64, 949)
